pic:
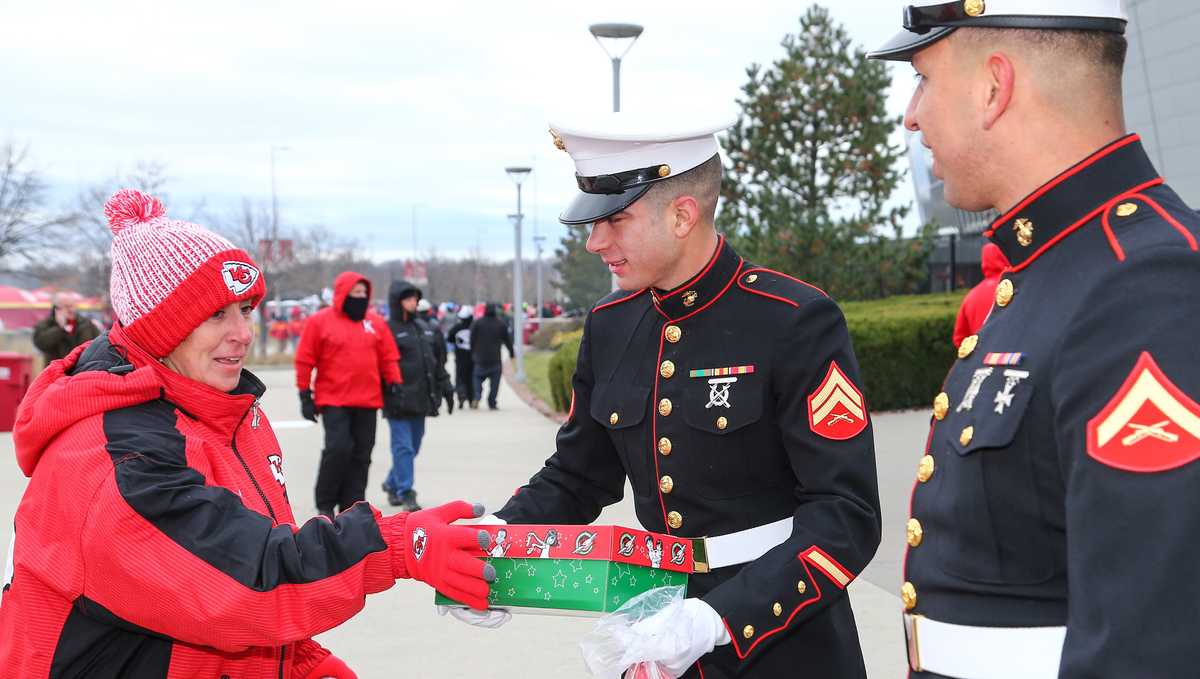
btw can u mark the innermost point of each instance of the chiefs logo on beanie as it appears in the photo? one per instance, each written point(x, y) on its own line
point(169, 276)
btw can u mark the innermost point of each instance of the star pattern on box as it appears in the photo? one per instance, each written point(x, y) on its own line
point(560, 580)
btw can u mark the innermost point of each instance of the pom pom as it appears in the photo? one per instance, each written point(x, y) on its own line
point(128, 207)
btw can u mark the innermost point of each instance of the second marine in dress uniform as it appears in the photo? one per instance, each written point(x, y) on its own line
point(1055, 514)
point(728, 394)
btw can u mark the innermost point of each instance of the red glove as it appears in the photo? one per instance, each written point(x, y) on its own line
point(447, 557)
point(332, 667)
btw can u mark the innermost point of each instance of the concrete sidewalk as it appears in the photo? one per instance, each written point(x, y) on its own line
point(483, 456)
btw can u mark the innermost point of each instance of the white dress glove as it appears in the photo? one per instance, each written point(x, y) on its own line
point(489, 619)
point(678, 636)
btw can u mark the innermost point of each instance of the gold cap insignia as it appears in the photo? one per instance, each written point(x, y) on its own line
point(973, 8)
point(558, 142)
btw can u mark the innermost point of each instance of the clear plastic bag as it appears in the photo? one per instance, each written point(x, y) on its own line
point(614, 649)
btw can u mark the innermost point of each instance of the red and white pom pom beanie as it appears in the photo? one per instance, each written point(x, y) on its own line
point(169, 276)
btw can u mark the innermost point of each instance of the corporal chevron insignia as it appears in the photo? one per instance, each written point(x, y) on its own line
point(836, 410)
point(1149, 426)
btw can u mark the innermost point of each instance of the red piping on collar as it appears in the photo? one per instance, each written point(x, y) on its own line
point(691, 281)
point(618, 301)
point(736, 273)
point(742, 285)
point(1172, 221)
point(801, 606)
point(1067, 174)
point(1084, 220)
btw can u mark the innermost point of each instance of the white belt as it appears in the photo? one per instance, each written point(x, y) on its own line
point(740, 547)
point(970, 652)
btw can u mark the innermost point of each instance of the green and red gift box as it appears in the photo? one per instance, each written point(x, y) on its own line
point(579, 570)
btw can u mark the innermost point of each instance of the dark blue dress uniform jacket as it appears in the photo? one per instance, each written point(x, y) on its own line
point(1063, 488)
point(700, 468)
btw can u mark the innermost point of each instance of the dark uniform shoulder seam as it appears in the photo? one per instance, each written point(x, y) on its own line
point(749, 276)
point(626, 298)
point(1127, 199)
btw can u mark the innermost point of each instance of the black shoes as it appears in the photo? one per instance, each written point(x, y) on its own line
point(408, 500)
point(393, 499)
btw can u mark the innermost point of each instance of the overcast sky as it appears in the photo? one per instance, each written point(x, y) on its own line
point(384, 105)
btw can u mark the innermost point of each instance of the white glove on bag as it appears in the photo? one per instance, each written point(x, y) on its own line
point(489, 619)
point(659, 626)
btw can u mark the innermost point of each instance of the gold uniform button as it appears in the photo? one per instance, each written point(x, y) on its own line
point(1126, 209)
point(674, 519)
point(941, 405)
point(673, 333)
point(968, 346)
point(973, 8)
point(748, 631)
point(751, 278)
point(925, 468)
point(664, 445)
point(777, 609)
point(667, 369)
point(664, 407)
point(614, 418)
point(966, 436)
point(722, 423)
point(666, 484)
point(914, 532)
point(908, 595)
point(1004, 293)
point(801, 587)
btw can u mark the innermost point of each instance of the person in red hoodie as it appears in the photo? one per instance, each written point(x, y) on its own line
point(353, 352)
point(978, 303)
point(155, 537)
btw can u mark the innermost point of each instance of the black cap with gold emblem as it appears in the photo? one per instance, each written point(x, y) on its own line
point(927, 22)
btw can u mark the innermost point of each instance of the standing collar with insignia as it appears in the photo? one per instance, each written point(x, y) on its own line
point(704, 288)
point(1072, 199)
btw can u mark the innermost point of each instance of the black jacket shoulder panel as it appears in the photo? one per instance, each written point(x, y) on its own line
point(771, 284)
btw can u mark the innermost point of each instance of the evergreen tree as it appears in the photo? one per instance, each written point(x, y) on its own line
point(584, 278)
point(811, 169)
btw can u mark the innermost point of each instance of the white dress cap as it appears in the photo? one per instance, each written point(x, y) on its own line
point(927, 21)
point(619, 155)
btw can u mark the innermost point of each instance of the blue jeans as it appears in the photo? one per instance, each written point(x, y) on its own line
point(407, 433)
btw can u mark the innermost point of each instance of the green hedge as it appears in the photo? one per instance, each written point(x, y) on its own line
point(904, 347)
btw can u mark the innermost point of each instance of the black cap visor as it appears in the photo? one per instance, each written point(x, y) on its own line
point(592, 207)
point(905, 44)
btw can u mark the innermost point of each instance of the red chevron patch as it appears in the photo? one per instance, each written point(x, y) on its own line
point(836, 410)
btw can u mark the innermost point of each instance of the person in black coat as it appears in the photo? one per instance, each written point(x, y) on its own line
point(425, 383)
point(464, 366)
point(488, 335)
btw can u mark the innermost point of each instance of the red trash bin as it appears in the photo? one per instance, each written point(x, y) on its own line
point(16, 372)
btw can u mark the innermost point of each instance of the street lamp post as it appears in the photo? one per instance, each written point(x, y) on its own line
point(518, 175)
point(273, 239)
point(616, 33)
point(537, 243)
point(952, 233)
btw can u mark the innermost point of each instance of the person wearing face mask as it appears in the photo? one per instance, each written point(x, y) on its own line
point(155, 537)
point(352, 351)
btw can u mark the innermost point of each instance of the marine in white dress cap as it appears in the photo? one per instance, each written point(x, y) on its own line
point(927, 22)
point(618, 156)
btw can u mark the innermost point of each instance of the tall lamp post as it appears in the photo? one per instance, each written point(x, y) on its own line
point(273, 239)
point(615, 34)
point(518, 175)
point(952, 233)
point(537, 243)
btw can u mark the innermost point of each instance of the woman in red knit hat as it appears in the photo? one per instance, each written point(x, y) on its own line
point(155, 536)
